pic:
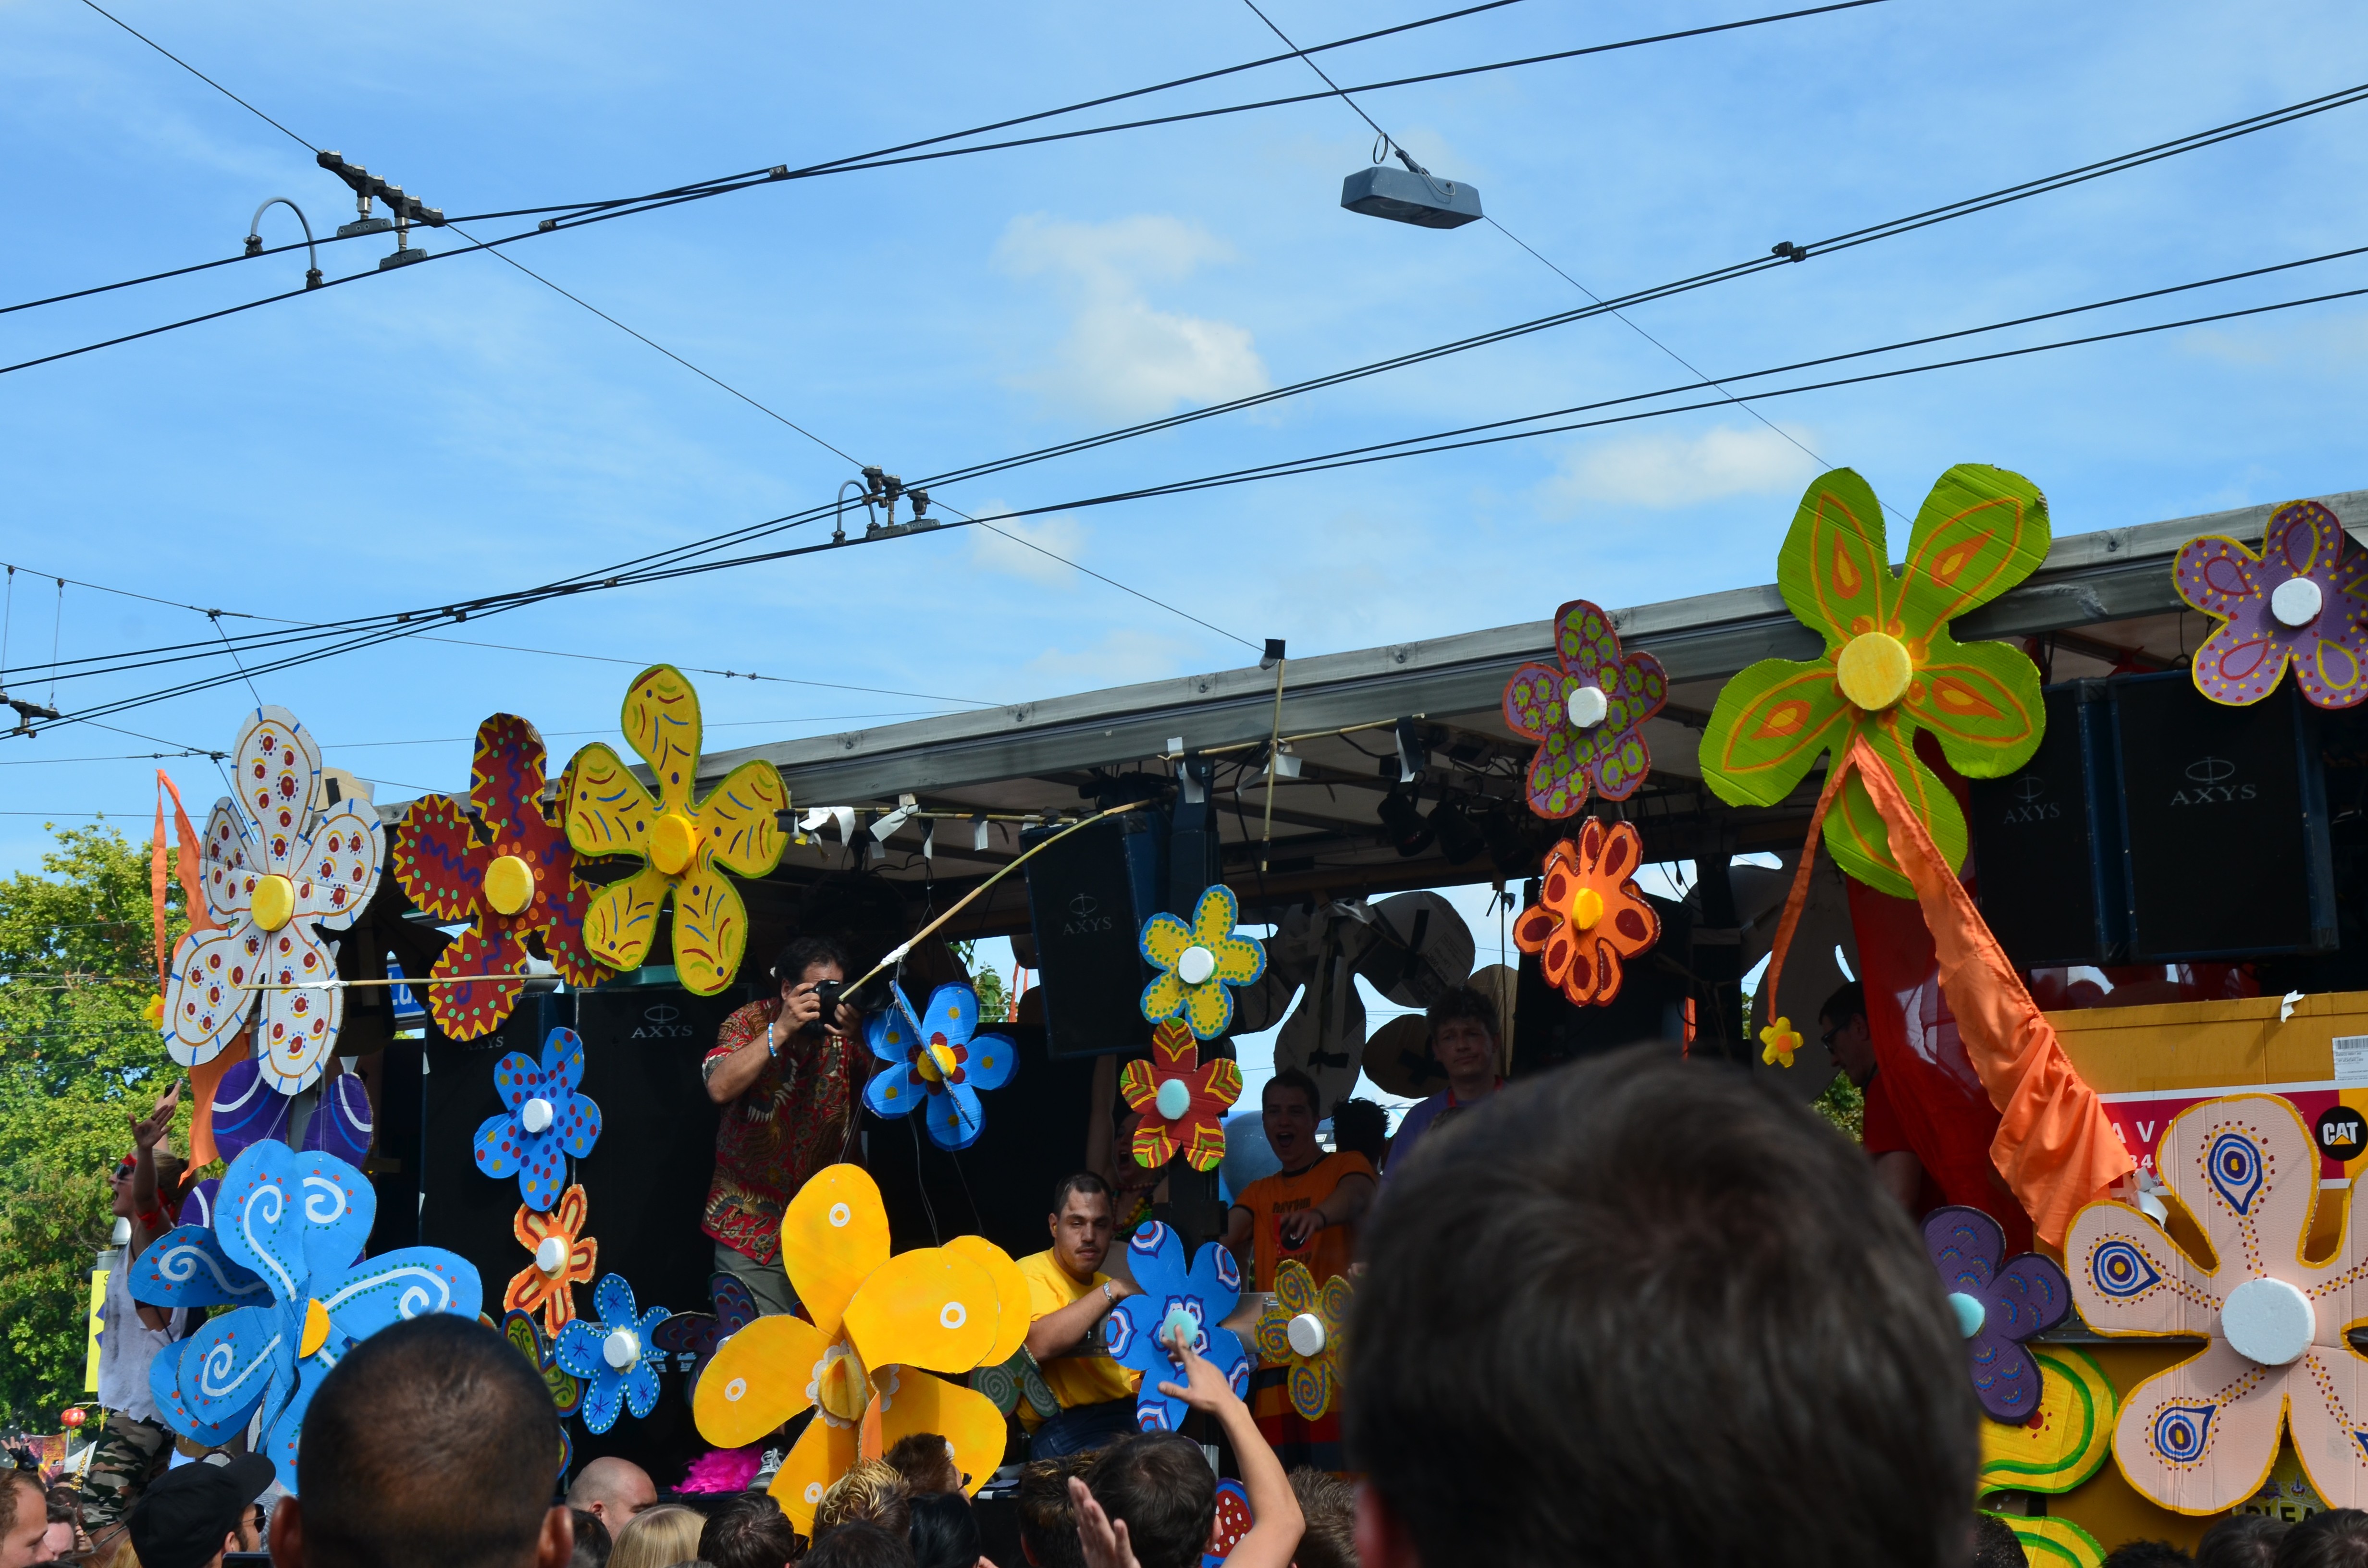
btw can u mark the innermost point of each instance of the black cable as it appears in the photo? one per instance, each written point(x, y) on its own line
point(885, 157)
point(1349, 457)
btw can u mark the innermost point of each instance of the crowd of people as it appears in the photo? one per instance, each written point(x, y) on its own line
point(1637, 1312)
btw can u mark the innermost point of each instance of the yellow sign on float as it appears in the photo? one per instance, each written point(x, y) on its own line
point(90, 1359)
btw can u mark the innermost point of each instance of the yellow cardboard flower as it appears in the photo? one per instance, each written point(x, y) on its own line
point(1306, 1329)
point(685, 847)
point(1778, 1041)
point(877, 1321)
point(1199, 963)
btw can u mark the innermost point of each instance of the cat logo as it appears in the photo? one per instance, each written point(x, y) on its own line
point(2343, 1132)
point(662, 1020)
point(2208, 784)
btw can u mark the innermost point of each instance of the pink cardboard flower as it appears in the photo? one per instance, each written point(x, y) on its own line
point(1587, 715)
point(2200, 1436)
point(2301, 601)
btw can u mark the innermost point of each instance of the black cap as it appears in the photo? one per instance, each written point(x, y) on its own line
point(180, 1521)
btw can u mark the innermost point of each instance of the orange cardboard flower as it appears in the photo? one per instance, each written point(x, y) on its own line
point(1590, 919)
point(1183, 1099)
point(563, 1257)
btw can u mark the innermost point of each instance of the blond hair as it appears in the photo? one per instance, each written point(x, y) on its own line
point(659, 1537)
point(874, 1492)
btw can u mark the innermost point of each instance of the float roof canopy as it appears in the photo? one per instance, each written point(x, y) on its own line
point(2102, 601)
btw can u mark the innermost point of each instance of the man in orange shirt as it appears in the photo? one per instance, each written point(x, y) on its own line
point(1308, 1211)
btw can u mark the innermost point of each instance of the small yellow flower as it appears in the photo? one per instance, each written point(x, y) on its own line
point(1778, 1041)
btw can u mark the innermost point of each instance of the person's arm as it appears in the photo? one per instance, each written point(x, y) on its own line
point(146, 1134)
point(1278, 1524)
point(1061, 1331)
point(1902, 1176)
point(1346, 1206)
point(731, 1076)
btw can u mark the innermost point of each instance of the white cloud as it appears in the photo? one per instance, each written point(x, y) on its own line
point(1121, 358)
point(1124, 655)
point(1062, 534)
point(1676, 470)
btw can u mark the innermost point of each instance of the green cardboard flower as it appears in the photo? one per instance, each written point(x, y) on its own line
point(1890, 667)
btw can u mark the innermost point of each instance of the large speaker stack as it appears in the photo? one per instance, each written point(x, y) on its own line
point(2156, 826)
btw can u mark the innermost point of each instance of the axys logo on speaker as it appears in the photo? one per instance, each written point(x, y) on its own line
point(1085, 916)
point(2030, 803)
point(662, 1021)
point(2211, 782)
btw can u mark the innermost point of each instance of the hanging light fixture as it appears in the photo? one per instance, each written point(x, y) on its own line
point(1411, 195)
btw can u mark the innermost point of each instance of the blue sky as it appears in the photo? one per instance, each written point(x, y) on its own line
point(458, 428)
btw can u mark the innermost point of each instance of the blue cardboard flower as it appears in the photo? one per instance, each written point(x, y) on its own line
point(613, 1354)
point(287, 1228)
point(1175, 1302)
point(936, 1055)
point(547, 1121)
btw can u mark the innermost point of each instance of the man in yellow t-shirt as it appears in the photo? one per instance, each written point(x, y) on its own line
point(1068, 1296)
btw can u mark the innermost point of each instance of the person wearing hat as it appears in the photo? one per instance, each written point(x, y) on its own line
point(189, 1517)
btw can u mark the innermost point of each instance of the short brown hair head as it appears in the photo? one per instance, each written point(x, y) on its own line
point(1466, 1002)
point(1329, 1506)
point(926, 1462)
point(1658, 1272)
point(1048, 1522)
point(1160, 1484)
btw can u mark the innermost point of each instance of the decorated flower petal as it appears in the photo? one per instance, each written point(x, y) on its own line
point(953, 1012)
point(2241, 662)
point(277, 767)
point(1834, 570)
point(225, 865)
point(1155, 1254)
point(1855, 831)
point(710, 932)
point(2220, 576)
point(223, 1371)
point(930, 1307)
point(993, 1058)
point(1240, 960)
point(477, 960)
point(757, 1379)
point(604, 1399)
point(506, 769)
point(1209, 1008)
point(1980, 531)
point(967, 1421)
point(2329, 1433)
point(823, 1453)
point(624, 916)
point(1768, 724)
point(833, 1235)
point(1164, 939)
point(1214, 917)
point(1533, 701)
point(1153, 1145)
point(437, 860)
point(741, 820)
point(1981, 702)
point(407, 1282)
point(660, 720)
point(1013, 1305)
point(2248, 1172)
point(1311, 1390)
point(608, 811)
point(955, 1116)
point(212, 992)
point(2204, 1431)
point(336, 868)
point(613, 1300)
point(1163, 997)
point(297, 1026)
point(187, 1267)
point(893, 1091)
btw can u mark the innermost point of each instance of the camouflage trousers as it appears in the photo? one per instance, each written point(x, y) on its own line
point(130, 1454)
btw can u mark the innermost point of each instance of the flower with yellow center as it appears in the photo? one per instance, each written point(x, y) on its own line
point(1778, 1041)
point(1890, 667)
point(878, 1321)
point(685, 845)
point(1198, 963)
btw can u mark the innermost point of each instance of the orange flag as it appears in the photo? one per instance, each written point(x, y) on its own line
point(2055, 1146)
point(202, 1079)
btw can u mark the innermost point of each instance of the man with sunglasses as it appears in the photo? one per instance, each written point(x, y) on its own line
point(134, 1443)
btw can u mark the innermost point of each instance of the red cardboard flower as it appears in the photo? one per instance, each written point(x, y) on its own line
point(1183, 1100)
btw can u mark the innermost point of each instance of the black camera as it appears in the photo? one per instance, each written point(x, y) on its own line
point(826, 993)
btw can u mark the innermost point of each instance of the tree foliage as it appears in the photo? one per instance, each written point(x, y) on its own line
point(77, 1061)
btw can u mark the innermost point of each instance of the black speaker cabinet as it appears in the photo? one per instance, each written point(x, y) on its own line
point(646, 1180)
point(2224, 822)
point(2048, 840)
point(1549, 1030)
point(2155, 825)
point(1087, 898)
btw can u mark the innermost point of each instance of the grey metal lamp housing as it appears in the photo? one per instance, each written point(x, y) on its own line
point(1405, 196)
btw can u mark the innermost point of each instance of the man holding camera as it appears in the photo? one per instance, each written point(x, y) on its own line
point(783, 1074)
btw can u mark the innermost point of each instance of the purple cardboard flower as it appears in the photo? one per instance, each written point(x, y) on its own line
point(1587, 714)
point(2301, 601)
point(1998, 1305)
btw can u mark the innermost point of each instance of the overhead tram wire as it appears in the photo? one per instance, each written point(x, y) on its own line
point(1377, 452)
point(402, 623)
point(886, 157)
point(648, 341)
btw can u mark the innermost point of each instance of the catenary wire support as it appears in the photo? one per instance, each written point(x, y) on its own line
point(312, 250)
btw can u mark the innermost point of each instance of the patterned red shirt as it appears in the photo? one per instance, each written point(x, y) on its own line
point(787, 1125)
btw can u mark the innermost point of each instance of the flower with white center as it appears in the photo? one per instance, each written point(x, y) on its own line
point(277, 871)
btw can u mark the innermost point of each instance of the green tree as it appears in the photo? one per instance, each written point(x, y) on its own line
point(78, 1060)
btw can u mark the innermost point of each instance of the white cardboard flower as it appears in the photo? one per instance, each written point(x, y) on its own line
point(276, 872)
